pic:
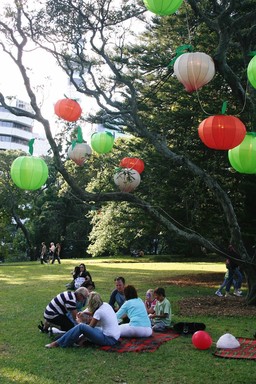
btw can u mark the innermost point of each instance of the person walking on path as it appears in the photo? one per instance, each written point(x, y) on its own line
point(56, 254)
point(43, 255)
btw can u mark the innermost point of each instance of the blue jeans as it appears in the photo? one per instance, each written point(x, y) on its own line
point(95, 335)
point(238, 279)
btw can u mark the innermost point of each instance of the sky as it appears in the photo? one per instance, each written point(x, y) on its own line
point(51, 82)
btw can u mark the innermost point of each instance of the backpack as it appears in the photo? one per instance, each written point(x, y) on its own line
point(185, 328)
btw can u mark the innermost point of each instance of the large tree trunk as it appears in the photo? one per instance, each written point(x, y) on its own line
point(250, 273)
point(25, 233)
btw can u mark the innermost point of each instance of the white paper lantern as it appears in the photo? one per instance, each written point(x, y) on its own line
point(127, 179)
point(79, 153)
point(194, 70)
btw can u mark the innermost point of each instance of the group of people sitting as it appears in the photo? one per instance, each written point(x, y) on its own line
point(102, 323)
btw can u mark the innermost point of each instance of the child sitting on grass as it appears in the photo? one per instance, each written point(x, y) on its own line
point(161, 318)
point(150, 301)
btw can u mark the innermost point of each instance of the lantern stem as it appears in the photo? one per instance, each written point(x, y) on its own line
point(224, 107)
point(179, 51)
point(31, 146)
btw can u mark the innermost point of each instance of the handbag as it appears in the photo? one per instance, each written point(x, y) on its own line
point(186, 328)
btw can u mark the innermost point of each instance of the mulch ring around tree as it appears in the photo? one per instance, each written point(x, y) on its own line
point(209, 305)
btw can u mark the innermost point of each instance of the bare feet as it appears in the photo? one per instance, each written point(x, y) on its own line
point(54, 344)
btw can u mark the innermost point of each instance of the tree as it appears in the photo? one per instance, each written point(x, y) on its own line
point(86, 38)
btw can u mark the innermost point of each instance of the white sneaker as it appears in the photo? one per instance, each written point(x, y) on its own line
point(218, 293)
point(238, 293)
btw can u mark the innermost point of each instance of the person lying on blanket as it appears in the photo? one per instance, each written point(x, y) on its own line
point(135, 310)
point(161, 318)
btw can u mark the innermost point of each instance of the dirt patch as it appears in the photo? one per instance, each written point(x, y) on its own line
point(210, 305)
point(217, 306)
point(200, 279)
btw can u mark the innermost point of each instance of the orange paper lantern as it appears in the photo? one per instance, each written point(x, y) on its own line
point(68, 109)
point(133, 163)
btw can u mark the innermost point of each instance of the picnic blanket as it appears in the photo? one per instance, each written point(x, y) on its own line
point(247, 350)
point(142, 344)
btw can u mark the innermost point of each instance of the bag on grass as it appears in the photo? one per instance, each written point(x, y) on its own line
point(185, 328)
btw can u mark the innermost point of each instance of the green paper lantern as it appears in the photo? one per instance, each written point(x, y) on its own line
point(102, 142)
point(243, 157)
point(162, 7)
point(29, 172)
point(251, 72)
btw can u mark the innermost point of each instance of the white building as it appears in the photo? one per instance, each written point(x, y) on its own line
point(16, 131)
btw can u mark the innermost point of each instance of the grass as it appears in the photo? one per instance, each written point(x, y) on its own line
point(26, 288)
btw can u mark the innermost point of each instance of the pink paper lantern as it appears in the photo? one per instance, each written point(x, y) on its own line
point(79, 153)
point(127, 179)
point(194, 70)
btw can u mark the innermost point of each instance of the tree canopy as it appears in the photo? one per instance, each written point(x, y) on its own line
point(130, 77)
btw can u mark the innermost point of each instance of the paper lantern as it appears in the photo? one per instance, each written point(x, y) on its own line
point(79, 153)
point(162, 7)
point(201, 340)
point(194, 69)
point(127, 179)
point(243, 157)
point(29, 172)
point(133, 163)
point(251, 72)
point(221, 132)
point(102, 142)
point(68, 109)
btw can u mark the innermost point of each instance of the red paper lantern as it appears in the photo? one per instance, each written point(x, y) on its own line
point(201, 340)
point(68, 109)
point(132, 163)
point(221, 132)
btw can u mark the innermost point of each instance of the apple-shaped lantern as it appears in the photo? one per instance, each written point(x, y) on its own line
point(127, 179)
point(29, 172)
point(243, 157)
point(68, 109)
point(221, 132)
point(133, 163)
point(162, 7)
point(79, 153)
point(251, 72)
point(194, 69)
point(102, 142)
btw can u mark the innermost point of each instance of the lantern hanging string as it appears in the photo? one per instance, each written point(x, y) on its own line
point(31, 146)
point(252, 53)
point(158, 85)
point(190, 41)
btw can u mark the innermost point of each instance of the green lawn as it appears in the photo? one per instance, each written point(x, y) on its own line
point(26, 288)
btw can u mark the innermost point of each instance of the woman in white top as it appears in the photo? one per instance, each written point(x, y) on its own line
point(135, 310)
point(102, 327)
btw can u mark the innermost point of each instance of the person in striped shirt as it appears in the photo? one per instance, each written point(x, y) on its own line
point(57, 310)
